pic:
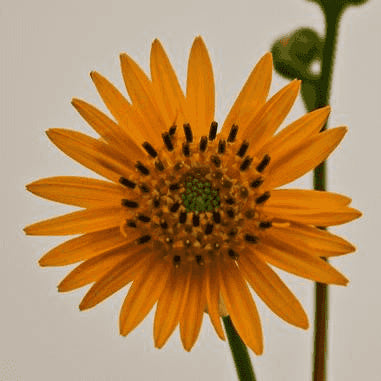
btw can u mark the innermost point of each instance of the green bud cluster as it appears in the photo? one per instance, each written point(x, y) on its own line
point(199, 196)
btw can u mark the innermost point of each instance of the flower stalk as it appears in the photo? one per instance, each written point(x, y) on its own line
point(239, 351)
point(294, 60)
point(319, 182)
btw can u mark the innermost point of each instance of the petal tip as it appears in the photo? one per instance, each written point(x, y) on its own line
point(75, 102)
point(83, 306)
point(42, 262)
point(124, 58)
point(198, 42)
point(156, 43)
point(305, 324)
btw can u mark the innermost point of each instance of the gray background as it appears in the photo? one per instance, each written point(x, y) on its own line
point(47, 51)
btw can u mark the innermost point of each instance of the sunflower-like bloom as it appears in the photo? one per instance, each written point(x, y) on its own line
point(190, 214)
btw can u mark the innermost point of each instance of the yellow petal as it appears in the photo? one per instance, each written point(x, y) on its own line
point(143, 294)
point(91, 153)
point(200, 88)
point(86, 246)
point(78, 191)
point(240, 306)
point(252, 96)
point(315, 216)
point(270, 116)
point(115, 279)
point(270, 288)
point(113, 99)
point(171, 304)
point(317, 241)
point(109, 130)
point(166, 85)
point(303, 158)
point(95, 268)
point(295, 133)
point(298, 262)
point(141, 92)
point(294, 200)
point(294, 236)
point(128, 116)
point(191, 319)
point(212, 289)
point(80, 222)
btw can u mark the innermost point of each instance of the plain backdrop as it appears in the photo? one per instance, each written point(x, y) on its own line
point(47, 51)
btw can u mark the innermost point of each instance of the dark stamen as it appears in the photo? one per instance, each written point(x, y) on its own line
point(150, 150)
point(246, 163)
point(188, 132)
point(265, 224)
point(144, 188)
point(131, 223)
point(183, 217)
point(208, 228)
point(156, 202)
point(196, 220)
point(144, 218)
point(178, 166)
point(203, 143)
point(129, 203)
point(163, 224)
point(264, 197)
point(159, 165)
point(227, 183)
point(242, 150)
point(174, 187)
point(233, 254)
point(263, 164)
point(199, 260)
point(176, 260)
point(167, 141)
point(243, 192)
point(230, 213)
point(257, 182)
point(175, 207)
point(213, 131)
point(142, 168)
point(215, 160)
point(233, 232)
point(217, 175)
point(249, 213)
point(217, 217)
point(127, 183)
point(251, 238)
point(229, 200)
point(186, 150)
point(221, 146)
point(233, 133)
point(172, 130)
point(143, 239)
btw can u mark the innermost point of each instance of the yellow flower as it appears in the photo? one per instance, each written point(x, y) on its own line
point(191, 215)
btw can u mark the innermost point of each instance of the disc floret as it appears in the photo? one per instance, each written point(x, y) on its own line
point(199, 195)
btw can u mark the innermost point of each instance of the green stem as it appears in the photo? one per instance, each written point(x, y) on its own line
point(239, 351)
point(319, 180)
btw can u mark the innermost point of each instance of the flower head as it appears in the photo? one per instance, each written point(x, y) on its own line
point(190, 214)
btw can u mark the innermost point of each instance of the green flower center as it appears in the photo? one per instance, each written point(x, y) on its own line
point(199, 195)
